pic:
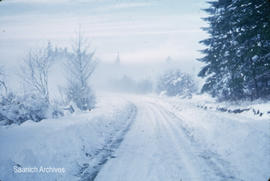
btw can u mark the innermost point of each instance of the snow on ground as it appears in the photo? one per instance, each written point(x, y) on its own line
point(241, 140)
point(258, 108)
point(67, 143)
point(173, 139)
point(169, 139)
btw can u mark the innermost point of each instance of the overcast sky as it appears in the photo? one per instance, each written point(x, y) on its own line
point(141, 30)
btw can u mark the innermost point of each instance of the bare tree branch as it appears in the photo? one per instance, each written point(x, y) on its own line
point(2, 81)
point(35, 72)
point(80, 66)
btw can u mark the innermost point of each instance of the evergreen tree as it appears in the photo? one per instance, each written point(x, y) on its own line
point(218, 56)
point(254, 38)
point(237, 54)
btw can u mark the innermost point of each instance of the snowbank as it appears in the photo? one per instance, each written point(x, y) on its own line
point(239, 141)
point(249, 109)
point(56, 149)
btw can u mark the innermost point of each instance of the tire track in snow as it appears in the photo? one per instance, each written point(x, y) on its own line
point(212, 161)
point(145, 154)
point(89, 171)
point(160, 147)
point(176, 147)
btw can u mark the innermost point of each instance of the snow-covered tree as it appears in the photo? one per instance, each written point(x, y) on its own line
point(236, 54)
point(176, 83)
point(34, 104)
point(221, 65)
point(3, 87)
point(35, 73)
point(80, 66)
point(254, 45)
point(15, 108)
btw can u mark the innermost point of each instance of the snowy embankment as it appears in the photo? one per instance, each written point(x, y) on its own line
point(238, 141)
point(66, 148)
point(257, 108)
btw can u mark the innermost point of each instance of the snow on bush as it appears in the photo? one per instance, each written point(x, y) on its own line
point(176, 83)
point(83, 97)
point(18, 109)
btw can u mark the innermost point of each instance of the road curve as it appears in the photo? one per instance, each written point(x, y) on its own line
point(159, 148)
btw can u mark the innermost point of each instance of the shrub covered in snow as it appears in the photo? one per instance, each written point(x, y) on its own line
point(18, 109)
point(176, 83)
point(82, 96)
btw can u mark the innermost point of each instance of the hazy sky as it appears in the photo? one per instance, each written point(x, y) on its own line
point(141, 30)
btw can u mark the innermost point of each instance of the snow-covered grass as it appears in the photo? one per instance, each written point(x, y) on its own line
point(65, 143)
point(251, 109)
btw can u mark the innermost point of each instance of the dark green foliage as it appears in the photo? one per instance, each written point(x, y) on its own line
point(237, 55)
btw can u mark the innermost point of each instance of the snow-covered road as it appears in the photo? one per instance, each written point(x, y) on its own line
point(161, 146)
point(140, 138)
